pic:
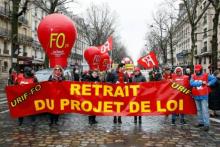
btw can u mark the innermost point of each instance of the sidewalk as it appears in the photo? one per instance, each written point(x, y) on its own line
point(73, 131)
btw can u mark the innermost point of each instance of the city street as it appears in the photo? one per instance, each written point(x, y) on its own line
point(74, 130)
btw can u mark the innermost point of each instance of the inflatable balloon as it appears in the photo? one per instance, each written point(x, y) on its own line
point(57, 35)
point(93, 57)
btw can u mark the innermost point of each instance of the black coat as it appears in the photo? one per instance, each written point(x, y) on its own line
point(214, 96)
point(92, 79)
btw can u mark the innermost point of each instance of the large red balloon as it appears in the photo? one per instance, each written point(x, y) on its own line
point(57, 34)
point(105, 62)
point(93, 57)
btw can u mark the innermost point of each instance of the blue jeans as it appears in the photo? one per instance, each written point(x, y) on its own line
point(202, 112)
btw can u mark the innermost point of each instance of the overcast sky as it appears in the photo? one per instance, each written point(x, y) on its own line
point(134, 17)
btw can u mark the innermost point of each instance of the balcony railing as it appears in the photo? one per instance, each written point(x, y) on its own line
point(24, 39)
point(195, 52)
point(204, 49)
point(23, 20)
point(25, 54)
point(36, 44)
point(4, 11)
point(6, 52)
point(4, 32)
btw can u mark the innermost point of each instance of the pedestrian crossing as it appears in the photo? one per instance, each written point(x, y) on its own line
point(3, 100)
point(3, 105)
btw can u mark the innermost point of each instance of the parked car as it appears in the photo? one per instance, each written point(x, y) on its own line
point(43, 75)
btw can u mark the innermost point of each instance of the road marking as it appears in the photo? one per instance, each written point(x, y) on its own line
point(215, 120)
point(4, 102)
point(3, 99)
point(5, 111)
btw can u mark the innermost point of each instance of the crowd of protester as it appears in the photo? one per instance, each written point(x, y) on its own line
point(199, 82)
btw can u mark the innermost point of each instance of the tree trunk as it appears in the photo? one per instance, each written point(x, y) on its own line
point(192, 46)
point(171, 48)
point(14, 29)
point(214, 42)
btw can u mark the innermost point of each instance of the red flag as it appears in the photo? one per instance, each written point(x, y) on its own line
point(107, 46)
point(148, 61)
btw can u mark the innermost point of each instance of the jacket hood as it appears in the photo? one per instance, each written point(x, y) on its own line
point(178, 69)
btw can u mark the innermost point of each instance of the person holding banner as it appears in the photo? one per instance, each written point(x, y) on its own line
point(183, 80)
point(57, 76)
point(119, 77)
point(26, 78)
point(214, 96)
point(75, 74)
point(138, 77)
point(167, 73)
point(94, 77)
point(200, 83)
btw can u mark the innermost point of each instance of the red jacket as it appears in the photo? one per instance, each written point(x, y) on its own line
point(182, 80)
point(167, 76)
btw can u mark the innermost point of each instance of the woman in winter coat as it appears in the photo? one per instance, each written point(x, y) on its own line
point(57, 76)
point(214, 96)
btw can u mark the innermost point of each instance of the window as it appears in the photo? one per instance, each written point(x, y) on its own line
point(35, 53)
point(5, 66)
point(205, 33)
point(35, 11)
point(200, 60)
point(195, 37)
point(5, 45)
point(205, 47)
point(204, 61)
point(42, 54)
point(205, 19)
point(5, 50)
point(196, 50)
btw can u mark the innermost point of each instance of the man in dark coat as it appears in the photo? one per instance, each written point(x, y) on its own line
point(118, 76)
point(138, 77)
point(214, 96)
point(94, 77)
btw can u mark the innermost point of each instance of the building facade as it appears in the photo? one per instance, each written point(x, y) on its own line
point(203, 37)
point(24, 38)
point(30, 50)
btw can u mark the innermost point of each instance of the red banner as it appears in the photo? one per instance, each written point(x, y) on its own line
point(148, 61)
point(150, 98)
point(107, 46)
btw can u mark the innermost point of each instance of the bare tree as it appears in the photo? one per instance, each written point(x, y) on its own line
point(99, 24)
point(216, 6)
point(153, 43)
point(51, 6)
point(18, 9)
point(159, 34)
point(194, 18)
point(118, 51)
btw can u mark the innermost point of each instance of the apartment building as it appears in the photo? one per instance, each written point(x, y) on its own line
point(24, 38)
point(30, 50)
point(182, 43)
point(203, 36)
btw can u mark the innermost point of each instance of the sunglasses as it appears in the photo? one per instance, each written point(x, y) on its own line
point(57, 69)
